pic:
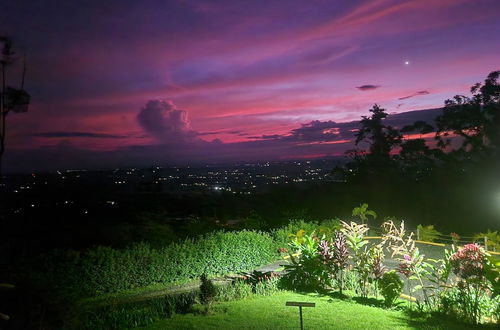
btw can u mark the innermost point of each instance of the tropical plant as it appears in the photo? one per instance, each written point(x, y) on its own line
point(307, 271)
point(469, 265)
point(377, 267)
point(355, 235)
point(363, 266)
point(411, 262)
point(428, 233)
point(390, 286)
point(492, 239)
point(438, 274)
point(340, 258)
point(363, 212)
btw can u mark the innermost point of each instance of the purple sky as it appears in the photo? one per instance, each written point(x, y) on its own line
point(119, 83)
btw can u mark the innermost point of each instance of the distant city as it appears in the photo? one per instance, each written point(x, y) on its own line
point(243, 179)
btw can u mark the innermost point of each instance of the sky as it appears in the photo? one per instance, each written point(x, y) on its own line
point(135, 83)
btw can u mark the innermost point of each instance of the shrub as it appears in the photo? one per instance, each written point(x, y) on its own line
point(390, 286)
point(452, 303)
point(236, 290)
point(282, 235)
point(307, 271)
point(469, 264)
point(107, 270)
point(207, 290)
point(132, 314)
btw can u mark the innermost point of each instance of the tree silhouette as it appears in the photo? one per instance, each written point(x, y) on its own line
point(11, 99)
point(381, 138)
point(475, 119)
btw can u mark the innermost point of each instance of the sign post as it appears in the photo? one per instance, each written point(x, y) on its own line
point(300, 305)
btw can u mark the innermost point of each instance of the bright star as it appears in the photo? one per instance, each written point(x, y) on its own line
point(407, 62)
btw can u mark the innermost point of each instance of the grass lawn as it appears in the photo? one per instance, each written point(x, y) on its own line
point(329, 313)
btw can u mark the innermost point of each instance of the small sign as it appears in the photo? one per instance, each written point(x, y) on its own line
point(300, 305)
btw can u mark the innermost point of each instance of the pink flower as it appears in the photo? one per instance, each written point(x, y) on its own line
point(468, 261)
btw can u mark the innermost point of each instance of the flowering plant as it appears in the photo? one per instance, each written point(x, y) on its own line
point(469, 264)
point(468, 261)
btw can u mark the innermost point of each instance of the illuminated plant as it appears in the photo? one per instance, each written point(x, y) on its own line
point(469, 264)
point(411, 262)
point(428, 233)
point(438, 274)
point(307, 271)
point(363, 212)
point(340, 258)
point(355, 237)
point(391, 287)
point(377, 266)
point(492, 237)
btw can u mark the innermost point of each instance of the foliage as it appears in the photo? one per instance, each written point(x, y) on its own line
point(377, 266)
point(238, 289)
point(308, 271)
point(411, 262)
point(263, 283)
point(106, 270)
point(492, 274)
point(132, 314)
point(469, 264)
point(475, 119)
point(382, 138)
point(363, 212)
point(492, 238)
point(438, 274)
point(428, 233)
point(355, 235)
point(282, 235)
point(207, 290)
point(340, 258)
point(454, 301)
point(390, 286)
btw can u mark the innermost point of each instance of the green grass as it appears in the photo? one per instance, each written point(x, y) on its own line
point(329, 313)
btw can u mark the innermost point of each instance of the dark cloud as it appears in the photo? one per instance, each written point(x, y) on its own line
point(78, 135)
point(221, 132)
point(365, 88)
point(162, 120)
point(414, 94)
